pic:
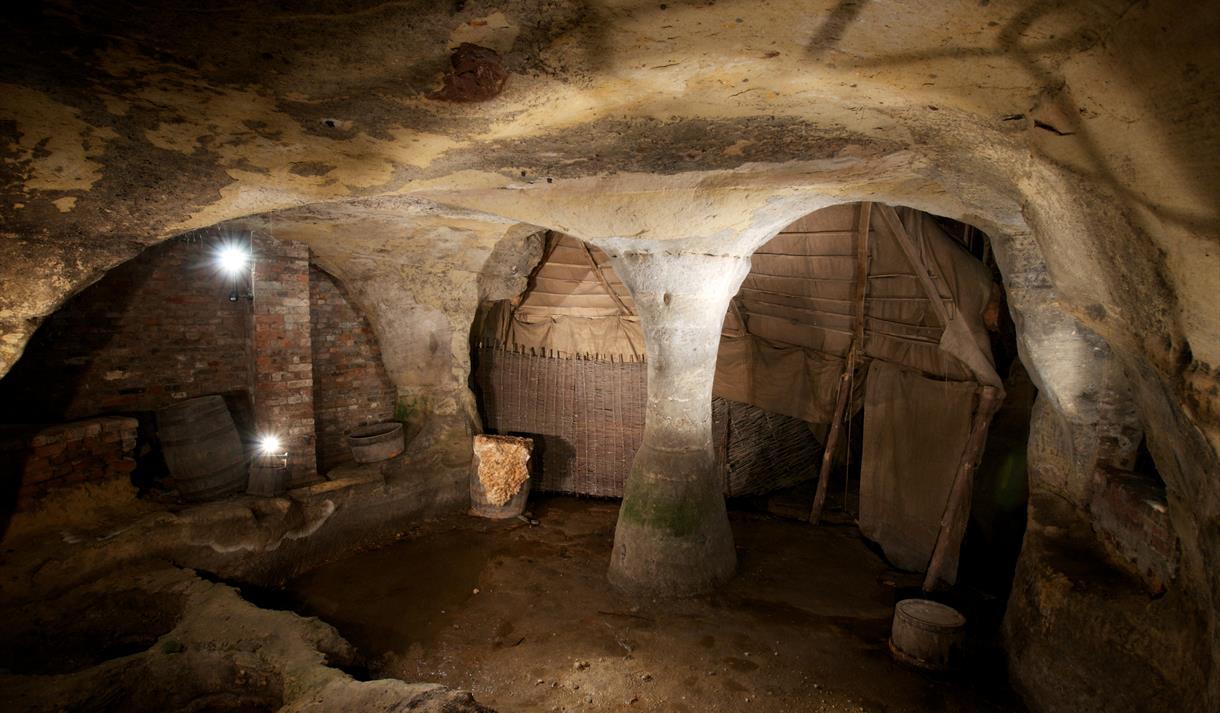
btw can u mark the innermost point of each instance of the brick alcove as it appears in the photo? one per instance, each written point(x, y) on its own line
point(291, 355)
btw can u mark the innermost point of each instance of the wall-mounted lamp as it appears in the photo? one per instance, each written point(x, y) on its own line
point(235, 262)
point(233, 259)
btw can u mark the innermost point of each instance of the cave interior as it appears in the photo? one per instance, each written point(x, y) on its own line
point(602, 355)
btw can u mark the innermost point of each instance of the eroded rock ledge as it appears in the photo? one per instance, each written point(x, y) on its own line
point(194, 645)
point(110, 608)
point(1067, 596)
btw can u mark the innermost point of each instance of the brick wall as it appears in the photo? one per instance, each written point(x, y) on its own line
point(283, 357)
point(1130, 514)
point(155, 329)
point(91, 450)
point(351, 387)
point(1131, 517)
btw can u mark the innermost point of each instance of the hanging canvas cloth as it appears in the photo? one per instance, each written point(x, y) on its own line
point(915, 430)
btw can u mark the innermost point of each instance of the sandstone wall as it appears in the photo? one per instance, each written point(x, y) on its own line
point(1082, 136)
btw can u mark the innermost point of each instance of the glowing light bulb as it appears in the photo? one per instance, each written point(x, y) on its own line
point(270, 445)
point(233, 259)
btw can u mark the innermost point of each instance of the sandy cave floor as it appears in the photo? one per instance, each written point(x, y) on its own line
point(524, 618)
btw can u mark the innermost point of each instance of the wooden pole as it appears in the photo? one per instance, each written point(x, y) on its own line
point(860, 288)
point(836, 426)
point(605, 283)
point(942, 569)
point(849, 366)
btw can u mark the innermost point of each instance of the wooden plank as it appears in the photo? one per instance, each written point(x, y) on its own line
point(942, 569)
point(889, 216)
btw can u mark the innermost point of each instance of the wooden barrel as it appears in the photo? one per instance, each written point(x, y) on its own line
point(268, 475)
point(927, 634)
point(202, 448)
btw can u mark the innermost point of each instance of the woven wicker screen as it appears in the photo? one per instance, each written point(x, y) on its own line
point(586, 417)
point(587, 420)
point(760, 451)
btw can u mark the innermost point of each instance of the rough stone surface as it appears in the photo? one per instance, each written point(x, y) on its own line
point(255, 540)
point(1082, 137)
point(1066, 595)
point(502, 465)
point(167, 640)
point(477, 74)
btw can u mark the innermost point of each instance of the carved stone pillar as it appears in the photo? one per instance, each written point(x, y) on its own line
point(673, 534)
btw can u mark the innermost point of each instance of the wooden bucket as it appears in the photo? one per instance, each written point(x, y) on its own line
point(927, 634)
point(202, 448)
point(269, 475)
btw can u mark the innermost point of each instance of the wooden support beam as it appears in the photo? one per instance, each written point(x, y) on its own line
point(832, 441)
point(601, 277)
point(889, 216)
point(861, 285)
point(843, 396)
point(736, 310)
point(942, 569)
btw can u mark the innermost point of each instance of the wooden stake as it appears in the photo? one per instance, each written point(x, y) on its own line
point(819, 499)
point(942, 569)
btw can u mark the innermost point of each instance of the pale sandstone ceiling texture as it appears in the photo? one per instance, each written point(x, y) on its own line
point(1082, 135)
